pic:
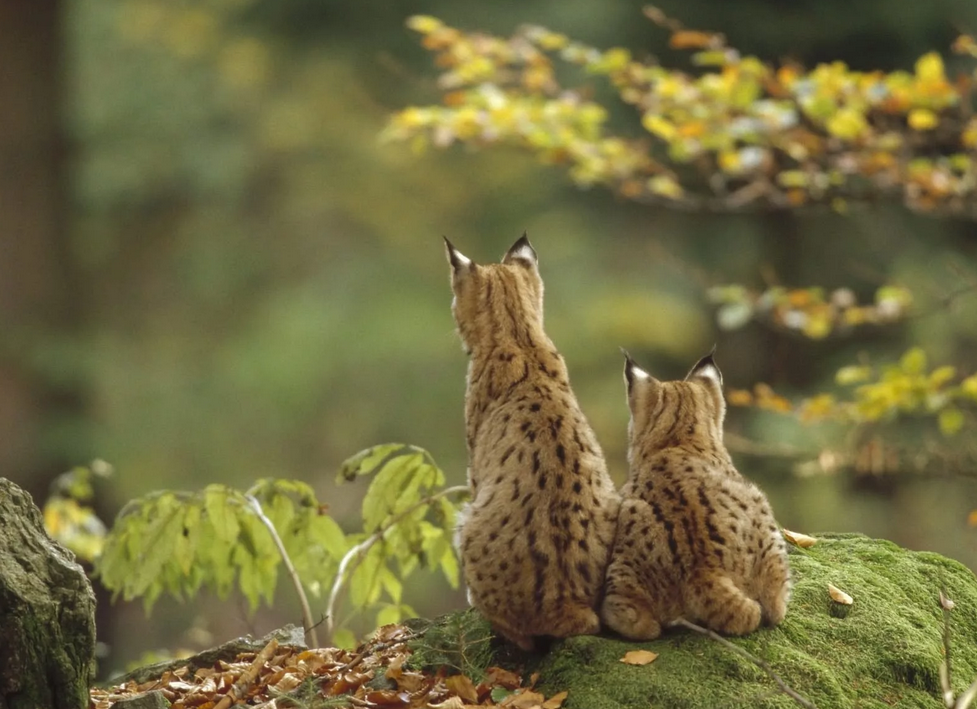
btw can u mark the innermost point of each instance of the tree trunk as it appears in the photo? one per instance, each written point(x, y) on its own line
point(39, 300)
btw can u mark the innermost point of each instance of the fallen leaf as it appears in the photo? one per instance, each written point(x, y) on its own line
point(556, 701)
point(839, 596)
point(523, 700)
point(797, 539)
point(639, 657)
point(449, 703)
point(463, 687)
point(945, 602)
point(503, 678)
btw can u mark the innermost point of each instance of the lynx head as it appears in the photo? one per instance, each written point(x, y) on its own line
point(666, 414)
point(496, 300)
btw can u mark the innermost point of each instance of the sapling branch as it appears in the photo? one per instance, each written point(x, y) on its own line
point(307, 621)
point(355, 556)
point(762, 664)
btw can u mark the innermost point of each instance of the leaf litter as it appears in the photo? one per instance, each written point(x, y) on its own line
point(374, 675)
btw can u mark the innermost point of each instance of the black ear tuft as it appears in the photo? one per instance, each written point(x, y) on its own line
point(707, 369)
point(457, 259)
point(523, 251)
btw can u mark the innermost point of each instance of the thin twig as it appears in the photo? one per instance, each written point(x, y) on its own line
point(946, 668)
point(354, 556)
point(762, 664)
point(307, 621)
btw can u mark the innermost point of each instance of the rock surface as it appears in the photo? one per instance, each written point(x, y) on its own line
point(47, 613)
point(886, 652)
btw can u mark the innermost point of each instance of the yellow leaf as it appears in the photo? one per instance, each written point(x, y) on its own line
point(951, 420)
point(800, 540)
point(739, 397)
point(941, 375)
point(969, 386)
point(847, 123)
point(839, 596)
point(853, 374)
point(639, 657)
point(972, 518)
point(922, 119)
point(556, 701)
point(463, 687)
point(425, 24)
point(666, 186)
point(691, 39)
point(914, 361)
point(654, 123)
point(929, 67)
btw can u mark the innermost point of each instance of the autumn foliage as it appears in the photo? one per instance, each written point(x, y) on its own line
point(732, 132)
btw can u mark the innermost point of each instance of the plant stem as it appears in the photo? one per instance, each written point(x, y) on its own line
point(310, 630)
point(762, 664)
point(354, 556)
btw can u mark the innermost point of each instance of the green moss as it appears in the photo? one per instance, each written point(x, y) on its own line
point(886, 652)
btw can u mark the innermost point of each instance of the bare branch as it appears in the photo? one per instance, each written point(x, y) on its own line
point(762, 664)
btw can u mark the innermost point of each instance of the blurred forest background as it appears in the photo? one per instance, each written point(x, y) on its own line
point(212, 270)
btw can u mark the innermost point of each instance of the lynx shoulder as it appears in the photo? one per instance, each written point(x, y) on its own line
point(534, 541)
point(695, 539)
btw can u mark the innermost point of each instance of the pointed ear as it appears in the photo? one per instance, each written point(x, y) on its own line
point(632, 372)
point(458, 260)
point(706, 368)
point(523, 251)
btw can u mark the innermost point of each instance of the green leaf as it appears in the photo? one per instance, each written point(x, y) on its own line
point(364, 584)
point(449, 566)
point(389, 615)
point(951, 420)
point(344, 638)
point(222, 516)
point(324, 531)
point(499, 693)
point(391, 584)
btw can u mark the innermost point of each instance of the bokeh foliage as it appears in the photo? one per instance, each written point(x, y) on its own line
point(264, 291)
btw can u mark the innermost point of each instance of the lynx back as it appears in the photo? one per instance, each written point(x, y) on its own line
point(695, 539)
point(535, 538)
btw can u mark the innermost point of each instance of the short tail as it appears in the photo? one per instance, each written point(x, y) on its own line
point(713, 600)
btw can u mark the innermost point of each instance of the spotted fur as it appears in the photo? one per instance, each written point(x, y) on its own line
point(535, 539)
point(695, 539)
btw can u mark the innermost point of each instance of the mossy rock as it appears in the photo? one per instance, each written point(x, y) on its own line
point(886, 652)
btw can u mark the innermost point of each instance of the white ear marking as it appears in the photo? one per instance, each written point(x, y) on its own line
point(462, 260)
point(524, 252)
point(638, 373)
point(710, 371)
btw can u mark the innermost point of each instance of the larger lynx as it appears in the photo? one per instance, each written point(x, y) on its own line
point(535, 539)
point(695, 539)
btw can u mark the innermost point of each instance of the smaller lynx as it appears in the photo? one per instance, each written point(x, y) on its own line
point(535, 539)
point(695, 539)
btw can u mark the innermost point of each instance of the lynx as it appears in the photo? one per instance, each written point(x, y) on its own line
point(535, 539)
point(695, 539)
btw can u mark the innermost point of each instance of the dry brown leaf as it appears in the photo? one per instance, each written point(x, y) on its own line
point(496, 676)
point(527, 699)
point(800, 540)
point(639, 657)
point(463, 687)
point(449, 703)
point(556, 701)
point(839, 596)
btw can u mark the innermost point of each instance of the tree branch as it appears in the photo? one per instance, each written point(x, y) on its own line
point(354, 556)
point(296, 582)
point(762, 664)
